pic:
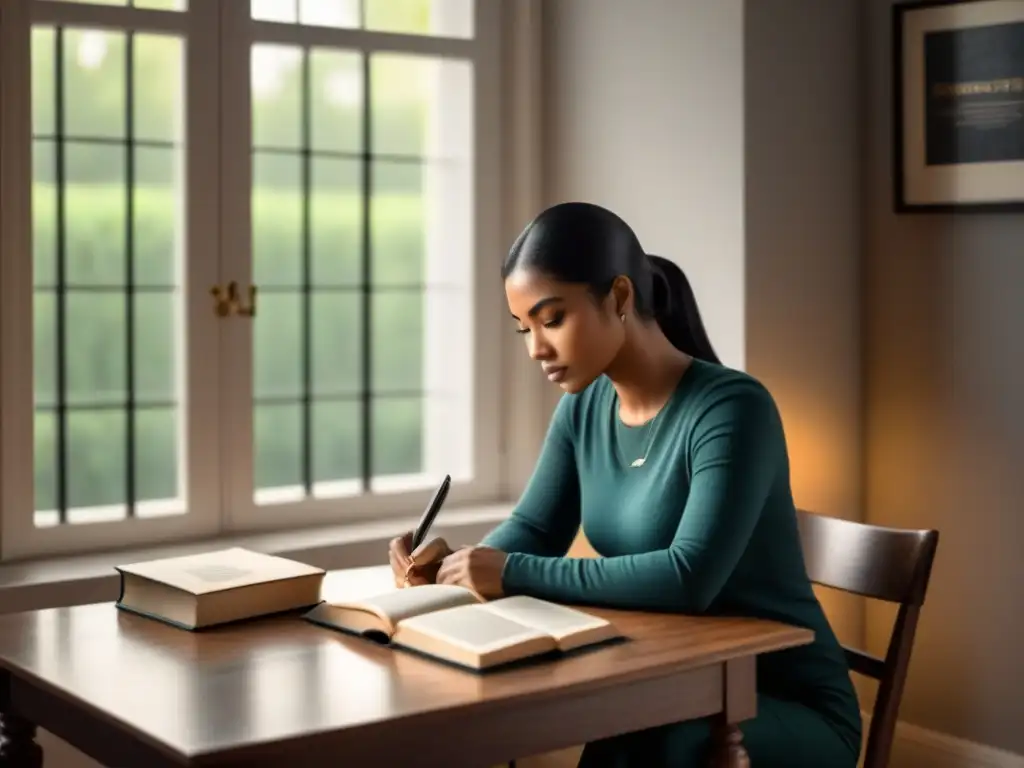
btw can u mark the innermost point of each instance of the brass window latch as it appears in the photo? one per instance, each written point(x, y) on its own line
point(226, 301)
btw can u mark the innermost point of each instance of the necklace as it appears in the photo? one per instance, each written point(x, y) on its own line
point(639, 462)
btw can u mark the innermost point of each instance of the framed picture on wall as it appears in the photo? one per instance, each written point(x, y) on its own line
point(958, 87)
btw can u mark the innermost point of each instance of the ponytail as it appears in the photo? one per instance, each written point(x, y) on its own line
point(586, 244)
point(675, 309)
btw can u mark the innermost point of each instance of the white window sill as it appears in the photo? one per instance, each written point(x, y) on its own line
point(82, 579)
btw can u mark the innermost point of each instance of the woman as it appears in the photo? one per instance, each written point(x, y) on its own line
point(677, 469)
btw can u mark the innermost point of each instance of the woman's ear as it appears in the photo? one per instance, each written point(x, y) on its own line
point(622, 296)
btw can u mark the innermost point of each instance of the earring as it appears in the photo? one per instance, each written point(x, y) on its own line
point(622, 317)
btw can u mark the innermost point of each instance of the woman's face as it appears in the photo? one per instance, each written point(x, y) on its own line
point(572, 336)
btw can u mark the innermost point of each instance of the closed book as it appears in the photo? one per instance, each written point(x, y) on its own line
point(211, 588)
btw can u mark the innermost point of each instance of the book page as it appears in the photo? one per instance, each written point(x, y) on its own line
point(412, 601)
point(556, 620)
point(474, 628)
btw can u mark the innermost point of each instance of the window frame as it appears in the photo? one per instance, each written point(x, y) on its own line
point(483, 49)
point(219, 494)
point(200, 466)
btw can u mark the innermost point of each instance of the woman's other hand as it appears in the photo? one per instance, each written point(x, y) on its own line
point(418, 567)
point(476, 568)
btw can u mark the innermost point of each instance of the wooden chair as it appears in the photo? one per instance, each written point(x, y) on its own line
point(887, 564)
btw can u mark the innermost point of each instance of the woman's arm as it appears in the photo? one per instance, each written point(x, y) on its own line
point(738, 451)
point(547, 517)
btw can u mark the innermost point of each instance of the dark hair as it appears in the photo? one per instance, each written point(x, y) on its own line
point(585, 243)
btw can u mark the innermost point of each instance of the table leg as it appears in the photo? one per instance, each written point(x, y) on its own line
point(739, 684)
point(729, 750)
point(18, 746)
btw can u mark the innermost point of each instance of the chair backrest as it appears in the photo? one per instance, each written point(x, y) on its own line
point(889, 564)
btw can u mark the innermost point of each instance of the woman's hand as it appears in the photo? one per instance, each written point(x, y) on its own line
point(476, 568)
point(419, 567)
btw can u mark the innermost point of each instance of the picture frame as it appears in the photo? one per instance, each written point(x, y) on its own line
point(958, 106)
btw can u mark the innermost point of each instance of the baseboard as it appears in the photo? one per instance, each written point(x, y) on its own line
point(917, 747)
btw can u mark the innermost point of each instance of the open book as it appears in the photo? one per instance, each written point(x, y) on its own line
point(455, 625)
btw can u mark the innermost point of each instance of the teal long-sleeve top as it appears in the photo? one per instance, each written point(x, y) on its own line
point(705, 525)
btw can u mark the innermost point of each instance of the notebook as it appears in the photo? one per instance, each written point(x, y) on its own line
point(456, 625)
point(198, 591)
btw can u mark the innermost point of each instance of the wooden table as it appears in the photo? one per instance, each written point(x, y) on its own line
point(129, 691)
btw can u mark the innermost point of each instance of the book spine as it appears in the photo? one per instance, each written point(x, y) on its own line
point(120, 593)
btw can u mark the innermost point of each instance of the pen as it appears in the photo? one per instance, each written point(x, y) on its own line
point(430, 513)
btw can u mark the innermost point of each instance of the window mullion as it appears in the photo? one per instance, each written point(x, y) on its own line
point(305, 174)
point(108, 17)
point(366, 282)
point(129, 277)
point(204, 330)
point(234, 259)
point(364, 40)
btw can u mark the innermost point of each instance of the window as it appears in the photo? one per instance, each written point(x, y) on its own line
point(240, 246)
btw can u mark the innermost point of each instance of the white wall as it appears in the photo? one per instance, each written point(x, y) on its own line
point(644, 115)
